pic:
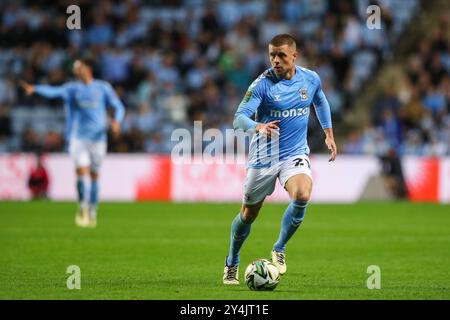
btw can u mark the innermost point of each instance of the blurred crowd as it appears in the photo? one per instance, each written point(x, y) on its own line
point(412, 117)
point(177, 61)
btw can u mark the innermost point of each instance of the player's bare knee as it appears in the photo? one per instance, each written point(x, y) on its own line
point(248, 216)
point(82, 171)
point(249, 213)
point(300, 194)
point(94, 175)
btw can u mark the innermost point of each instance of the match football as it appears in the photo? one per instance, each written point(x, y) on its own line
point(262, 275)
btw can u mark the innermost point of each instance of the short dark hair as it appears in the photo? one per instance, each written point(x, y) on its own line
point(88, 62)
point(282, 39)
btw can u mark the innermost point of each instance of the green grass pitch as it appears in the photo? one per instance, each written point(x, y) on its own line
point(177, 251)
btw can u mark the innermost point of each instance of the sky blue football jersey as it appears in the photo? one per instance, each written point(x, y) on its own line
point(86, 107)
point(271, 98)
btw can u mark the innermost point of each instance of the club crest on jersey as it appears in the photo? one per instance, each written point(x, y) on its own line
point(304, 94)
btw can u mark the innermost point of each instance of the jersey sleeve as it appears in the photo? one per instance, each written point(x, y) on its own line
point(321, 106)
point(53, 91)
point(249, 105)
point(113, 100)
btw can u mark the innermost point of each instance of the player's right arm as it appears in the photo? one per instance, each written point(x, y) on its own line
point(248, 107)
point(119, 109)
point(44, 90)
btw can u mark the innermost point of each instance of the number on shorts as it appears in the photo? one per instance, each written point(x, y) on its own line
point(299, 161)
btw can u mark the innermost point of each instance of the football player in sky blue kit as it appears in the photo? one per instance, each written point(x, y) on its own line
point(86, 102)
point(280, 98)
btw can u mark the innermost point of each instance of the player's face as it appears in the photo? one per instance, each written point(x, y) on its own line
point(282, 58)
point(80, 70)
point(77, 66)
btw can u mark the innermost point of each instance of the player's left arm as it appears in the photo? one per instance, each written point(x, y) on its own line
point(248, 107)
point(323, 112)
point(119, 110)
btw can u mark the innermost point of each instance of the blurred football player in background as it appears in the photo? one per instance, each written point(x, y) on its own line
point(86, 102)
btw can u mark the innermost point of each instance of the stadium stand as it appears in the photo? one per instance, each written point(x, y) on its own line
point(174, 62)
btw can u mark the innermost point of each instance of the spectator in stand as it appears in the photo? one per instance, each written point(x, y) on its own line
point(388, 101)
point(5, 123)
point(30, 140)
point(391, 128)
point(353, 145)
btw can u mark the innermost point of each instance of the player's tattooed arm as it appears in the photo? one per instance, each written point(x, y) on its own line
point(329, 141)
